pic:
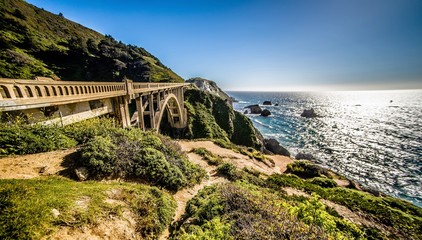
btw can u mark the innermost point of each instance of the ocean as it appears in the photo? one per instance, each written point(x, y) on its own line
point(372, 137)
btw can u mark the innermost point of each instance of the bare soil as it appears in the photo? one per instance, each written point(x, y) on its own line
point(34, 165)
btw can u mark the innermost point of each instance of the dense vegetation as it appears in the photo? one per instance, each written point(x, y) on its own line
point(27, 207)
point(107, 151)
point(210, 116)
point(253, 207)
point(34, 42)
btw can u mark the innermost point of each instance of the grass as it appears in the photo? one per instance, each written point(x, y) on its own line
point(26, 206)
point(208, 156)
point(401, 218)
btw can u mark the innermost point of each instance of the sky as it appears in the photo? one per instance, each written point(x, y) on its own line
point(268, 45)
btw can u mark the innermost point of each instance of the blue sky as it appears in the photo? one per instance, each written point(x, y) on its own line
point(270, 45)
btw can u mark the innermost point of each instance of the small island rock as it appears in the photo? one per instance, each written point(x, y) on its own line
point(274, 146)
point(267, 103)
point(255, 109)
point(309, 113)
point(304, 156)
point(265, 113)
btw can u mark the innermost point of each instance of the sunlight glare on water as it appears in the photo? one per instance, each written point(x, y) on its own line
point(373, 137)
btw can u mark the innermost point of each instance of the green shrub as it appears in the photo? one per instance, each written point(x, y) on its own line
point(99, 155)
point(213, 229)
point(134, 154)
point(228, 170)
point(210, 157)
point(306, 169)
point(400, 218)
point(151, 164)
point(22, 138)
point(85, 130)
point(243, 212)
point(324, 182)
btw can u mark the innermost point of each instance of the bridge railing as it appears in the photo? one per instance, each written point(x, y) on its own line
point(16, 94)
point(32, 89)
point(141, 86)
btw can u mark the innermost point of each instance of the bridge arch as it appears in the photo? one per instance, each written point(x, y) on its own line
point(174, 110)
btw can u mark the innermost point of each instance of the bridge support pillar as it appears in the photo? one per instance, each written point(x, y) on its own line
point(123, 111)
point(140, 109)
point(152, 110)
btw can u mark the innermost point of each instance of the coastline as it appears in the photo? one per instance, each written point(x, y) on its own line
point(268, 126)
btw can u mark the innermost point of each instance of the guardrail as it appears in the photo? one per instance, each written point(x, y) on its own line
point(18, 94)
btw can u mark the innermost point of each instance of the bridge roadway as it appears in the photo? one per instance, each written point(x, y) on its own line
point(72, 101)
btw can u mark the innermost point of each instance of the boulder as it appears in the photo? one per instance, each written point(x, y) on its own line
point(82, 173)
point(276, 104)
point(267, 103)
point(274, 146)
point(304, 156)
point(255, 109)
point(265, 113)
point(309, 113)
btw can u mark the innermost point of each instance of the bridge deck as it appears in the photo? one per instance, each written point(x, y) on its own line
point(18, 94)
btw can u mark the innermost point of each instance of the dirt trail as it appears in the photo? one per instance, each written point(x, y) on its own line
point(34, 165)
point(239, 159)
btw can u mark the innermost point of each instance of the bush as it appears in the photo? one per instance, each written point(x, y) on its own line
point(399, 218)
point(242, 211)
point(22, 138)
point(306, 169)
point(228, 170)
point(134, 154)
point(210, 157)
point(86, 130)
point(324, 182)
point(99, 155)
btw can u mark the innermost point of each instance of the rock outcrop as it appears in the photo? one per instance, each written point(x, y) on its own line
point(267, 103)
point(255, 109)
point(309, 113)
point(304, 156)
point(274, 146)
point(265, 113)
point(209, 116)
point(210, 87)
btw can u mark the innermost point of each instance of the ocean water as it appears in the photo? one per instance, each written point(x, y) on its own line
point(372, 137)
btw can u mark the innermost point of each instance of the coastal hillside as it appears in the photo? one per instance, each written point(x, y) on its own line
point(213, 117)
point(34, 42)
point(146, 186)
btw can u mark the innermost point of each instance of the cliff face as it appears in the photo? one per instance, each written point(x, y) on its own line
point(34, 42)
point(209, 86)
point(210, 116)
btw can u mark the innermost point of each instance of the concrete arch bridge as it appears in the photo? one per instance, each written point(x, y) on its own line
point(66, 102)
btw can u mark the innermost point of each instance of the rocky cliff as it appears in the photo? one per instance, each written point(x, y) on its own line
point(209, 86)
point(211, 115)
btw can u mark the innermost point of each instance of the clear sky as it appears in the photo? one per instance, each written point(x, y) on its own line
point(271, 45)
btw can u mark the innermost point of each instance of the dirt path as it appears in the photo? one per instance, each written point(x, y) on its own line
point(239, 159)
point(34, 165)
